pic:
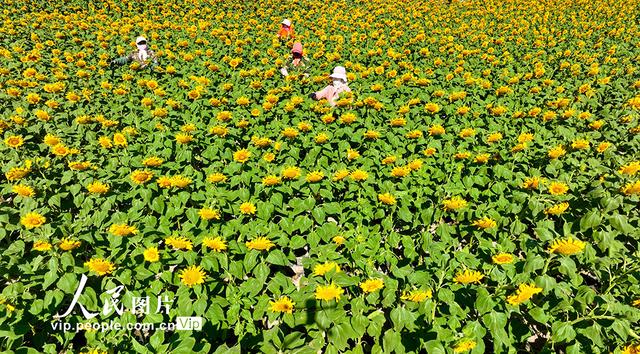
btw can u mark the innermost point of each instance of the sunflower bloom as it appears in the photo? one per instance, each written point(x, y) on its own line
point(558, 188)
point(141, 176)
point(485, 223)
point(14, 141)
point(23, 190)
point(315, 176)
point(494, 137)
point(164, 181)
point(400, 171)
point(32, 220)
point(531, 183)
point(16, 173)
point(524, 293)
point(328, 292)
point(209, 214)
point(193, 275)
point(340, 175)
point(387, 198)
point(260, 244)
point(68, 244)
point(151, 254)
point(464, 346)
point(429, 151)
point(389, 160)
point(100, 266)
point(557, 209)
point(119, 140)
point(123, 230)
point(42, 246)
point(417, 295)
point(180, 181)
point(371, 285)
point(179, 243)
point(352, 154)
point(580, 144)
point(247, 208)
point(602, 147)
point(467, 132)
point(182, 138)
point(322, 269)
point(454, 203)
point(283, 304)
point(556, 152)
point(338, 240)
point(216, 244)
point(97, 187)
point(290, 173)
point(468, 277)
point(359, 175)
point(216, 178)
point(152, 161)
point(436, 129)
point(271, 180)
point(482, 158)
point(630, 168)
point(632, 188)
point(567, 247)
point(242, 156)
point(631, 349)
point(503, 258)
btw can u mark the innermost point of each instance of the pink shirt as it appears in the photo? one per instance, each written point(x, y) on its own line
point(330, 93)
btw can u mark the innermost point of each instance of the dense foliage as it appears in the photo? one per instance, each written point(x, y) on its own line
point(477, 192)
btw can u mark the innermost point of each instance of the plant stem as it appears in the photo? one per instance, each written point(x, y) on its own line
point(593, 318)
point(546, 264)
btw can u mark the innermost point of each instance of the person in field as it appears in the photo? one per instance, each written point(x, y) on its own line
point(296, 63)
point(286, 30)
point(338, 85)
point(143, 56)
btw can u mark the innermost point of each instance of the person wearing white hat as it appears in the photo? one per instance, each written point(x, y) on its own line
point(338, 85)
point(286, 29)
point(143, 56)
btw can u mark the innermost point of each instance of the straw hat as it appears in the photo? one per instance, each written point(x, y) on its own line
point(339, 72)
point(286, 22)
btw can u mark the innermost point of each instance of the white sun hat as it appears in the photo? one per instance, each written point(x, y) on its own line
point(287, 22)
point(140, 39)
point(339, 72)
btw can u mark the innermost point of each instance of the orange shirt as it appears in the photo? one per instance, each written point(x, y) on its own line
point(286, 32)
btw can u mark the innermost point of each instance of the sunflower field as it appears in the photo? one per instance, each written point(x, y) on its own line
point(477, 191)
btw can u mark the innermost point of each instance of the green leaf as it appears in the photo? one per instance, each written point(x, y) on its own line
point(621, 327)
point(562, 332)
point(590, 220)
point(484, 302)
point(68, 283)
point(277, 257)
point(377, 320)
point(434, 347)
point(405, 214)
point(620, 223)
point(391, 341)
point(185, 346)
point(403, 318)
point(496, 322)
point(539, 315)
point(359, 324)
point(156, 339)
point(265, 210)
